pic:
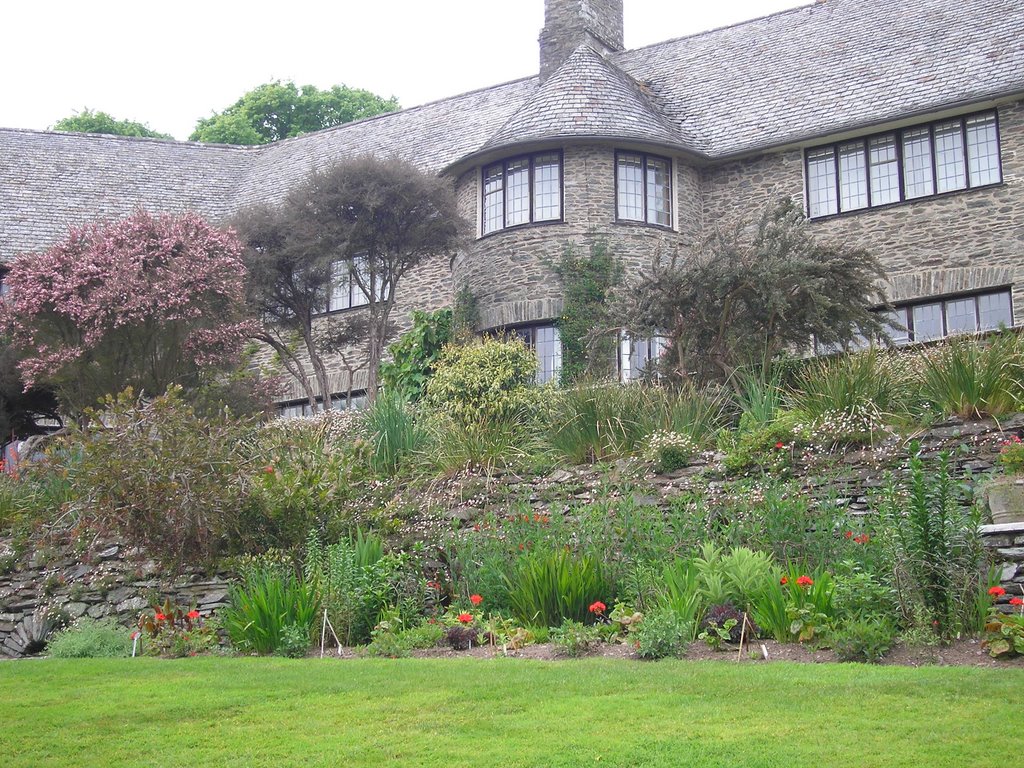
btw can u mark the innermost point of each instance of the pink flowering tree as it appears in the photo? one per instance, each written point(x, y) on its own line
point(144, 302)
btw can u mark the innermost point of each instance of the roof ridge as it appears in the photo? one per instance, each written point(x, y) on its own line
point(744, 22)
point(132, 139)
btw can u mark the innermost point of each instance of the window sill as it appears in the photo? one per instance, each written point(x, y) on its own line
point(644, 224)
point(518, 227)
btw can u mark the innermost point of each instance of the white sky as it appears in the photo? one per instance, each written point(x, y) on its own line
point(168, 64)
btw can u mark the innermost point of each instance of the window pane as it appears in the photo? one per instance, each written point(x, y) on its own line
point(494, 198)
point(517, 195)
point(630, 183)
point(994, 310)
point(547, 188)
point(917, 163)
point(949, 156)
point(339, 298)
point(853, 177)
point(644, 353)
point(885, 172)
point(896, 325)
point(821, 182)
point(359, 296)
point(928, 322)
point(659, 193)
point(960, 317)
point(548, 346)
point(983, 150)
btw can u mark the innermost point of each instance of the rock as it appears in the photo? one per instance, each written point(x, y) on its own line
point(217, 596)
point(1012, 553)
point(77, 572)
point(131, 605)
point(76, 609)
point(109, 553)
point(119, 595)
point(1008, 572)
point(98, 611)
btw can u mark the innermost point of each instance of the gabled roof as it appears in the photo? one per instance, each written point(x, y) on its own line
point(587, 97)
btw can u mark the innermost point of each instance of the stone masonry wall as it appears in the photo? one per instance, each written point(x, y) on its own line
point(55, 578)
point(507, 270)
point(959, 241)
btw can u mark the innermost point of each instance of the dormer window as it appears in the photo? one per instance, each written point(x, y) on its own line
point(920, 161)
point(522, 190)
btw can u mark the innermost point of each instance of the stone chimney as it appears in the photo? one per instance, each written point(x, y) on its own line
point(569, 24)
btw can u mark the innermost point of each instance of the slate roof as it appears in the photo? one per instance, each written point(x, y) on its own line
point(50, 181)
point(587, 97)
point(792, 76)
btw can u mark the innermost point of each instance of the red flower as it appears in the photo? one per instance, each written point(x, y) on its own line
point(997, 591)
point(466, 618)
point(475, 599)
point(161, 617)
point(783, 581)
point(1016, 601)
point(268, 469)
point(862, 539)
point(780, 445)
point(805, 581)
point(193, 614)
point(848, 534)
point(597, 607)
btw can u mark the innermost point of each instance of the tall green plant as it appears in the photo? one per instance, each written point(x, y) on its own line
point(269, 600)
point(935, 552)
point(971, 377)
point(395, 432)
point(546, 589)
point(599, 421)
point(415, 354)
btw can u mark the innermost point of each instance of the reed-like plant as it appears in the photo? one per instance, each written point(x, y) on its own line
point(395, 432)
point(547, 588)
point(875, 380)
point(599, 421)
point(697, 412)
point(971, 377)
point(760, 394)
point(269, 599)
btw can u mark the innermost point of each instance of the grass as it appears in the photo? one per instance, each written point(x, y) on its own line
point(471, 712)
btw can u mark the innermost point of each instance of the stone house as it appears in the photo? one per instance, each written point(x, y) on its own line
point(899, 126)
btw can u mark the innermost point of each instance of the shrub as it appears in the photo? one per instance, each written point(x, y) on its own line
point(307, 471)
point(1004, 634)
point(574, 639)
point(268, 600)
point(769, 447)
point(697, 412)
point(484, 381)
point(173, 632)
point(395, 432)
point(860, 596)
point(356, 582)
point(669, 450)
point(662, 634)
point(461, 638)
point(970, 377)
point(874, 382)
point(795, 606)
point(759, 393)
point(597, 422)
point(863, 640)
point(91, 639)
point(161, 478)
point(934, 548)
point(294, 642)
point(1011, 455)
point(415, 354)
point(496, 443)
point(546, 589)
point(724, 622)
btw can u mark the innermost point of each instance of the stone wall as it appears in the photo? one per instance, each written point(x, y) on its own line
point(55, 579)
point(959, 241)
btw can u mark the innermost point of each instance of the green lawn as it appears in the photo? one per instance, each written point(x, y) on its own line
point(502, 712)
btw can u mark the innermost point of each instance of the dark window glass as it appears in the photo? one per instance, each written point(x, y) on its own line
point(521, 191)
point(644, 189)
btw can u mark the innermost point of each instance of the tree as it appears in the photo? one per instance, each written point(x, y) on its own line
point(751, 292)
point(88, 121)
point(364, 222)
point(277, 110)
point(21, 408)
point(145, 302)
